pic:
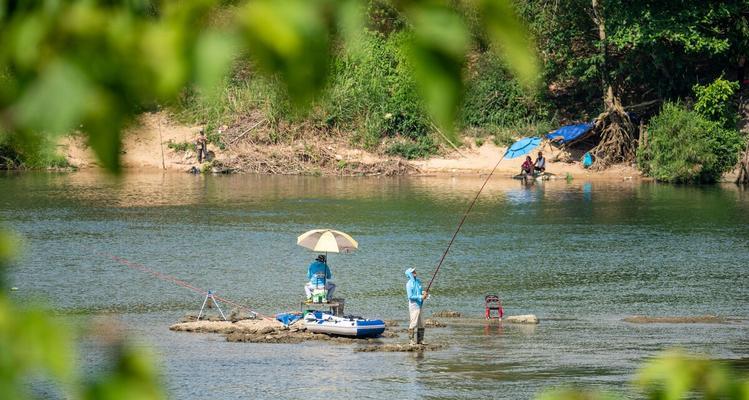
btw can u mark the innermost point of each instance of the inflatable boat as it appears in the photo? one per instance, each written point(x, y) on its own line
point(320, 322)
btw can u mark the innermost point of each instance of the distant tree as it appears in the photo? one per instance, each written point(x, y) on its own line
point(630, 52)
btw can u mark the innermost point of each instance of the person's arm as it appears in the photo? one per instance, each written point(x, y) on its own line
point(328, 274)
point(309, 272)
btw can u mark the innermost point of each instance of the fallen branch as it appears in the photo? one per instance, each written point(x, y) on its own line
point(248, 131)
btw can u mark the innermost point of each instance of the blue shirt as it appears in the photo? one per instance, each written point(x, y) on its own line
point(321, 268)
point(413, 289)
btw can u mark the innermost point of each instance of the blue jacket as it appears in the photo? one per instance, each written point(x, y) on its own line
point(413, 289)
point(315, 268)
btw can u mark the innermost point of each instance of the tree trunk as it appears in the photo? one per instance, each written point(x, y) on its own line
point(743, 178)
point(614, 125)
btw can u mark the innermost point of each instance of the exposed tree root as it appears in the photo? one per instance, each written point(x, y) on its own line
point(617, 132)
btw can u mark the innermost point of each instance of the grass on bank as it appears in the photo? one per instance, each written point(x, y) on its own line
point(372, 99)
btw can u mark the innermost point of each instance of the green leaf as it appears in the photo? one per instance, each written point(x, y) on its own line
point(132, 375)
point(214, 53)
point(105, 120)
point(10, 247)
point(438, 54)
point(32, 343)
point(675, 375)
point(56, 101)
point(510, 39)
point(162, 47)
point(351, 21)
point(291, 38)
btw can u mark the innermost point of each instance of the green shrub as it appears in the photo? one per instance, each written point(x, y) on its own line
point(180, 146)
point(504, 137)
point(685, 147)
point(494, 98)
point(32, 152)
point(412, 149)
point(372, 92)
point(714, 102)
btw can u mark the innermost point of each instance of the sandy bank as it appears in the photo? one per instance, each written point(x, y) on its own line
point(146, 147)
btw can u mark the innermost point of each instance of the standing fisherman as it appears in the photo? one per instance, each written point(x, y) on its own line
point(201, 144)
point(416, 298)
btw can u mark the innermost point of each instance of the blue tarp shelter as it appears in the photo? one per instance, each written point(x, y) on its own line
point(569, 133)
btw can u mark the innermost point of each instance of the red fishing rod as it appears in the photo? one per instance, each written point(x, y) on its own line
point(179, 282)
point(460, 225)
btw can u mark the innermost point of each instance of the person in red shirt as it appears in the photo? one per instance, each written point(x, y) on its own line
point(527, 167)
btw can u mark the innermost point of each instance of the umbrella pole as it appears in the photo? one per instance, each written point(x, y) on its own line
point(460, 225)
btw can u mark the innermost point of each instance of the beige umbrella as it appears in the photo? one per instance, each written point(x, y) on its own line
point(328, 241)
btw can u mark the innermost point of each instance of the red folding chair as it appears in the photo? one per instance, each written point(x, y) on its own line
point(493, 303)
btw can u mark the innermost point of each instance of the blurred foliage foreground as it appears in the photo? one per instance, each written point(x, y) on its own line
point(93, 65)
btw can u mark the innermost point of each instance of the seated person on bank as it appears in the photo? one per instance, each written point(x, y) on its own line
point(540, 165)
point(318, 274)
point(527, 167)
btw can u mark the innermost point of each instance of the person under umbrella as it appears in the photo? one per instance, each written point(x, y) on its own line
point(540, 165)
point(527, 167)
point(319, 275)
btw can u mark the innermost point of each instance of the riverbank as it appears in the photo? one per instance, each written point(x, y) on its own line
point(146, 147)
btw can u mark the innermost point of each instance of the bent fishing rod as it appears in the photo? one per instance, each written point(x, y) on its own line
point(460, 225)
point(179, 282)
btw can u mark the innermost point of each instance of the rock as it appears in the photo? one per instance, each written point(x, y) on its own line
point(391, 322)
point(265, 330)
point(400, 347)
point(522, 319)
point(447, 314)
point(697, 319)
point(433, 323)
point(338, 157)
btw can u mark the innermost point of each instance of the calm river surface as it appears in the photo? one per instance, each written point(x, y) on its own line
point(579, 255)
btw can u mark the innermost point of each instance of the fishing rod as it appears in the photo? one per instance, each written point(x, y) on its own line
point(179, 282)
point(460, 225)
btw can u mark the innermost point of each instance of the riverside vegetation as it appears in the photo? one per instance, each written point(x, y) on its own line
point(149, 53)
point(372, 89)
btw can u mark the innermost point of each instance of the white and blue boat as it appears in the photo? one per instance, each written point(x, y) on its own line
point(321, 322)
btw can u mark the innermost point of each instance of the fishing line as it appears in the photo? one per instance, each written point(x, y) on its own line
point(179, 282)
point(460, 225)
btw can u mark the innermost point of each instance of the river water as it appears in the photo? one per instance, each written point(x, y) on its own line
point(579, 255)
